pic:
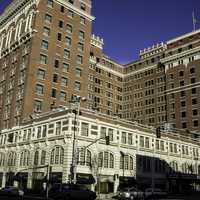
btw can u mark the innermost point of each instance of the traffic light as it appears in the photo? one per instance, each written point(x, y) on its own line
point(158, 132)
point(107, 140)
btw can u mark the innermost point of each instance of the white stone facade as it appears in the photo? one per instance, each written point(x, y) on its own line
point(51, 136)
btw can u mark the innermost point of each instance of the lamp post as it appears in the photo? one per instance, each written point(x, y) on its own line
point(76, 101)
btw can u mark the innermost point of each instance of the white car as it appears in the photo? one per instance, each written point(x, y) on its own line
point(156, 192)
point(131, 194)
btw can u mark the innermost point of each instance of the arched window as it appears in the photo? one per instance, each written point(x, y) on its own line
point(106, 160)
point(2, 159)
point(12, 159)
point(36, 158)
point(57, 155)
point(84, 158)
point(173, 166)
point(126, 162)
point(43, 157)
point(185, 168)
point(24, 158)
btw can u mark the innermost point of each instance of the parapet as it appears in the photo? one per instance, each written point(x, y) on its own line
point(97, 41)
point(155, 49)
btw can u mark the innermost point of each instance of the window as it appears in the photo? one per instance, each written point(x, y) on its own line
point(195, 112)
point(106, 160)
point(57, 155)
point(181, 83)
point(194, 91)
point(37, 106)
point(77, 86)
point(59, 37)
point(58, 128)
point(84, 129)
point(62, 9)
point(184, 125)
point(69, 28)
point(80, 47)
point(71, 1)
point(103, 132)
point(83, 6)
point(50, 3)
point(193, 80)
point(56, 64)
point(84, 158)
point(192, 70)
point(53, 93)
point(183, 114)
point(24, 158)
point(43, 59)
point(181, 73)
point(70, 13)
point(79, 59)
point(78, 72)
point(44, 45)
point(39, 89)
point(81, 35)
point(60, 24)
point(36, 158)
point(182, 103)
point(64, 81)
point(194, 101)
point(46, 31)
point(68, 41)
point(63, 96)
point(43, 157)
point(66, 54)
point(195, 123)
point(48, 18)
point(141, 141)
point(110, 134)
point(182, 93)
point(65, 67)
point(82, 20)
point(41, 74)
point(123, 140)
point(55, 78)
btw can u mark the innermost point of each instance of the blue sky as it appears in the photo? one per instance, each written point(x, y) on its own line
point(130, 25)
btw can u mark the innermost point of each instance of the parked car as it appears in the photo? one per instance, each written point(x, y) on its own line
point(156, 192)
point(130, 193)
point(71, 192)
point(11, 190)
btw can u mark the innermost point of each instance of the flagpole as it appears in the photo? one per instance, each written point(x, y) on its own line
point(193, 21)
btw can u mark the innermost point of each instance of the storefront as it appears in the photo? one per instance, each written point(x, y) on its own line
point(22, 179)
point(105, 184)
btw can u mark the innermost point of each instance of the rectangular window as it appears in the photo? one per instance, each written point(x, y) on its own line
point(66, 54)
point(110, 134)
point(53, 93)
point(70, 13)
point(55, 78)
point(46, 31)
point(83, 6)
point(59, 37)
point(48, 18)
point(130, 138)
point(43, 59)
point(68, 41)
point(84, 129)
point(65, 67)
point(80, 47)
point(64, 81)
point(82, 20)
point(77, 86)
point(63, 96)
point(56, 64)
point(69, 28)
point(147, 142)
point(141, 141)
point(39, 89)
point(81, 35)
point(62, 9)
point(37, 106)
point(103, 132)
point(60, 24)
point(41, 74)
point(123, 137)
point(58, 128)
point(79, 60)
point(44, 45)
point(50, 3)
point(78, 72)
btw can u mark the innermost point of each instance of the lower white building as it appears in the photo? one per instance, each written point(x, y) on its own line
point(42, 149)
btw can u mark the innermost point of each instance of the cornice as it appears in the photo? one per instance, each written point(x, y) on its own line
point(13, 9)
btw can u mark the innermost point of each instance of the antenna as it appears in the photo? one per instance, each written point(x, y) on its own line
point(194, 21)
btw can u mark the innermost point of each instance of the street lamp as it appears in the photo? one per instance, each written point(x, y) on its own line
point(76, 100)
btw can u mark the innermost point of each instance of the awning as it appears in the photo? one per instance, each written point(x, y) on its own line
point(86, 179)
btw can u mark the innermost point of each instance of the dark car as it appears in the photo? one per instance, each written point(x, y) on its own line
point(71, 192)
point(11, 192)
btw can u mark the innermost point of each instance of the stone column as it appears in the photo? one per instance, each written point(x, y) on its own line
point(116, 183)
point(4, 180)
point(30, 180)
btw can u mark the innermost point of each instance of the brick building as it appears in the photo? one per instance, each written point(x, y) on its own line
point(48, 54)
